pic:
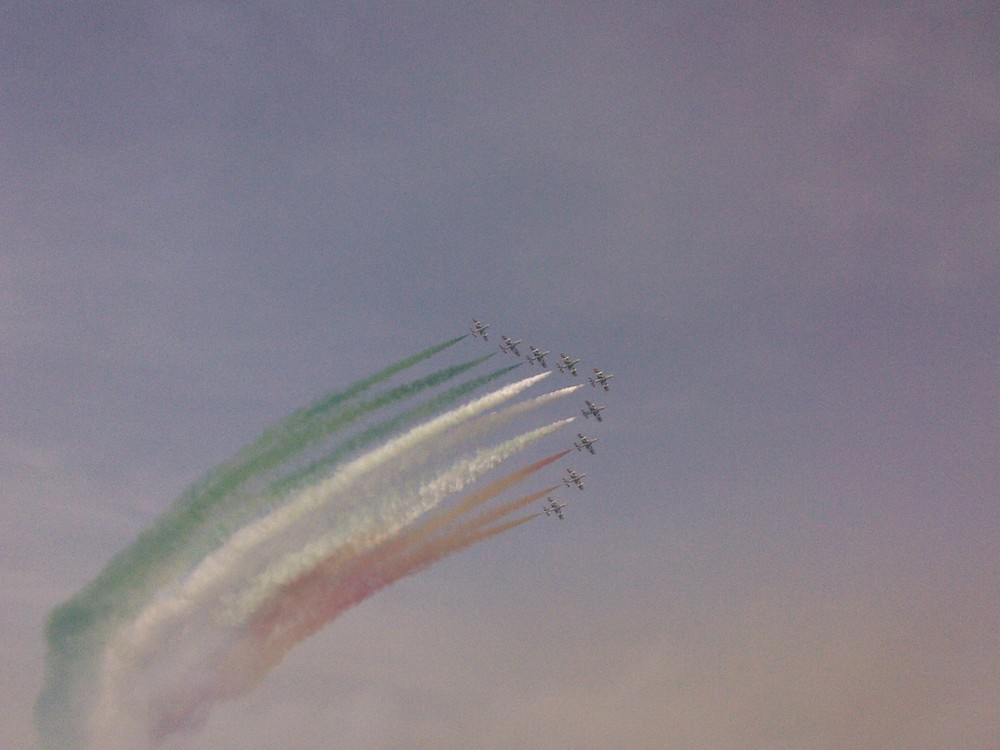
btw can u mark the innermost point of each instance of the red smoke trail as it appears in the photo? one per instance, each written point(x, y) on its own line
point(495, 514)
point(346, 578)
point(475, 499)
point(251, 659)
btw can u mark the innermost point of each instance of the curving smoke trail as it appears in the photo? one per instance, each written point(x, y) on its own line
point(300, 510)
point(380, 519)
point(77, 628)
point(228, 576)
point(304, 605)
point(307, 521)
point(127, 572)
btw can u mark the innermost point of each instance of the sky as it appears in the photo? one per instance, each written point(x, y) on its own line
point(776, 224)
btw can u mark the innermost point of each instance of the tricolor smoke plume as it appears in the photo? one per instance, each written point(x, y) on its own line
point(328, 506)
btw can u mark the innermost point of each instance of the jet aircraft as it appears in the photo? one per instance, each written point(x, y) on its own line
point(537, 356)
point(574, 478)
point(568, 364)
point(600, 377)
point(554, 508)
point(585, 442)
point(510, 346)
point(593, 410)
point(479, 329)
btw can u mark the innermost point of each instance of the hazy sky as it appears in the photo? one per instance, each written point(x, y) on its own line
point(778, 226)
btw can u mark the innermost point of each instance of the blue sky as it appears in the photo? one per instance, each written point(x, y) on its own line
point(777, 225)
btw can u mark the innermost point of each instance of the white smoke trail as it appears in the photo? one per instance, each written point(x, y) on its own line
point(220, 562)
point(462, 434)
point(215, 568)
point(376, 524)
point(147, 633)
point(414, 468)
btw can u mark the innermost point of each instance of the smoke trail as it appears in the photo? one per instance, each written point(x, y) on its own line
point(435, 551)
point(382, 430)
point(326, 403)
point(478, 498)
point(133, 656)
point(189, 706)
point(76, 629)
point(474, 526)
point(316, 598)
point(365, 523)
point(129, 571)
point(372, 525)
point(316, 430)
point(439, 522)
point(463, 434)
point(303, 606)
point(220, 569)
point(312, 498)
point(238, 509)
point(246, 463)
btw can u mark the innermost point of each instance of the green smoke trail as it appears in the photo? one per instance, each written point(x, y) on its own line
point(121, 582)
point(301, 419)
point(235, 509)
point(278, 442)
point(76, 628)
point(383, 430)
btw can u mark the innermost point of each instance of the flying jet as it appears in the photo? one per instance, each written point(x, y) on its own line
point(568, 364)
point(593, 410)
point(510, 346)
point(585, 442)
point(600, 377)
point(479, 329)
point(574, 478)
point(554, 508)
point(537, 356)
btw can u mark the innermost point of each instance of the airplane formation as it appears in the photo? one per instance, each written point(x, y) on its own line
point(567, 364)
